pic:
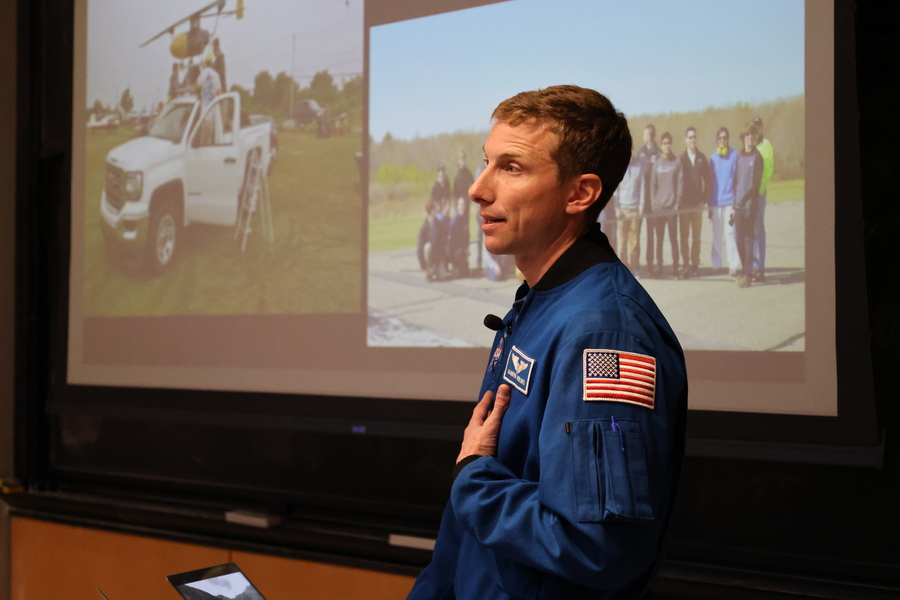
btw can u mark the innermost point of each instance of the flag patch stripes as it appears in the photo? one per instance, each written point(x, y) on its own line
point(616, 376)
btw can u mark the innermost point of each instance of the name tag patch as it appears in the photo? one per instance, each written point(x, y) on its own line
point(518, 370)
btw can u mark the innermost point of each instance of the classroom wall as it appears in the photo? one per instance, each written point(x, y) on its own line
point(7, 262)
point(7, 225)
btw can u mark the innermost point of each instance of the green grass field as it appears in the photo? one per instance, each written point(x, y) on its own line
point(398, 229)
point(783, 191)
point(393, 233)
point(314, 265)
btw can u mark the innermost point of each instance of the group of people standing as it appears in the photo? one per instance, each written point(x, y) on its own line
point(443, 244)
point(672, 192)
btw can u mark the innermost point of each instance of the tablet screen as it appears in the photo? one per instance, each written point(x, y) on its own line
point(223, 582)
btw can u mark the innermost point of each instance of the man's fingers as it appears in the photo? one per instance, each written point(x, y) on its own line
point(480, 437)
point(503, 394)
point(501, 403)
point(482, 409)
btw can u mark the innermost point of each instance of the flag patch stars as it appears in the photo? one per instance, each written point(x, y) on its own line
point(611, 375)
point(518, 370)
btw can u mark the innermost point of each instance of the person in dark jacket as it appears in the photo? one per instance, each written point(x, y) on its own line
point(219, 63)
point(463, 181)
point(666, 190)
point(434, 234)
point(747, 178)
point(458, 240)
point(695, 170)
point(461, 184)
point(175, 81)
point(647, 155)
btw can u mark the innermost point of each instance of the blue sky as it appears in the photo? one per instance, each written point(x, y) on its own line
point(446, 73)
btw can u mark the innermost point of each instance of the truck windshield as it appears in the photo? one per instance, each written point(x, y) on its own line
point(170, 125)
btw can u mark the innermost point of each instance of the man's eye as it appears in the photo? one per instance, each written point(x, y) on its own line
point(512, 168)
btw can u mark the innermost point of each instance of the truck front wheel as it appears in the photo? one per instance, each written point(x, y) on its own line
point(162, 237)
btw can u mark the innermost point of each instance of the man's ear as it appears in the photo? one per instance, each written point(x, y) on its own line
point(585, 191)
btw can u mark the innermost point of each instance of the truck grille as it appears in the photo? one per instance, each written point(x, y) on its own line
point(115, 186)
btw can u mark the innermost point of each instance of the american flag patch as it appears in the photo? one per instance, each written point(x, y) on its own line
point(619, 377)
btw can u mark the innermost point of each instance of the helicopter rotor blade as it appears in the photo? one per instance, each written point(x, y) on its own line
point(220, 4)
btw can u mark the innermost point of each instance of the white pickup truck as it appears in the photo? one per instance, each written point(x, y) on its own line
point(192, 167)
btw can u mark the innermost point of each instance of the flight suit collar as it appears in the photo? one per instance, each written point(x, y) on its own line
point(591, 249)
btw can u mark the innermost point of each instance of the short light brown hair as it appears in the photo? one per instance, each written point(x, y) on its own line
point(593, 135)
point(750, 127)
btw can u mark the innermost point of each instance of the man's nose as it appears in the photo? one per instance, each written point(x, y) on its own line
point(477, 189)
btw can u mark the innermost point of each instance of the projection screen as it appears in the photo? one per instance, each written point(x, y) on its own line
point(266, 238)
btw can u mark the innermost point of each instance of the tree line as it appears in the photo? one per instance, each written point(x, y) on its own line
point(784, 123)
point(272, 95)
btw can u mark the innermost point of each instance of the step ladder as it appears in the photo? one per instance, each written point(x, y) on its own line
point(254, 198)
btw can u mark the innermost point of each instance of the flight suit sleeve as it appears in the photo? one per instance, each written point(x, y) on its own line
point(435, 582)
point(596, 515)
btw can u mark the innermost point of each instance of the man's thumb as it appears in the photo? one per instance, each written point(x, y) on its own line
point(502, 399)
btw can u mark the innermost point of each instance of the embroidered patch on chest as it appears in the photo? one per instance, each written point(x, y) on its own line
point(518, 370)
point(615, 376)
point(497, 354)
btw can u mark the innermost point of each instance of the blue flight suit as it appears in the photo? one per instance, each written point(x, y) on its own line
point(577, 501)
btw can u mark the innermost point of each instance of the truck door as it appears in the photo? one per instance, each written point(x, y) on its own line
point(213, 172)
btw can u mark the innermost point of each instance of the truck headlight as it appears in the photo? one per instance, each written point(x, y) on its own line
point(134, 182)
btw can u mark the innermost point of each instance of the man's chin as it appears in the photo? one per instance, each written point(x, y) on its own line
point(496, 249)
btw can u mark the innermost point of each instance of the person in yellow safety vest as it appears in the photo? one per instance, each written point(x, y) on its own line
point(759, 245)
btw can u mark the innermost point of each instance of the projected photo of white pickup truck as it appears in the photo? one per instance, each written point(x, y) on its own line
point(174, 175)
point(701, 64)
point(208, 188)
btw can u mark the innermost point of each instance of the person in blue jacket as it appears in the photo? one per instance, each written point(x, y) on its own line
point(722, 165)
point(567, 472)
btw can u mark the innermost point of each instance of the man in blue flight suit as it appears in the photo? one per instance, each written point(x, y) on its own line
point(567, 473)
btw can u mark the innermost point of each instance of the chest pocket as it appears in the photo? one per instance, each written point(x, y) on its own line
point(610, 469)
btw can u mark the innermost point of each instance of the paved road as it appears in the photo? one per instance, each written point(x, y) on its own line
point(708, 313)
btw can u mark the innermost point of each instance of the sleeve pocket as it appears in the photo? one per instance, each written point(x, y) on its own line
point(610, 483)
